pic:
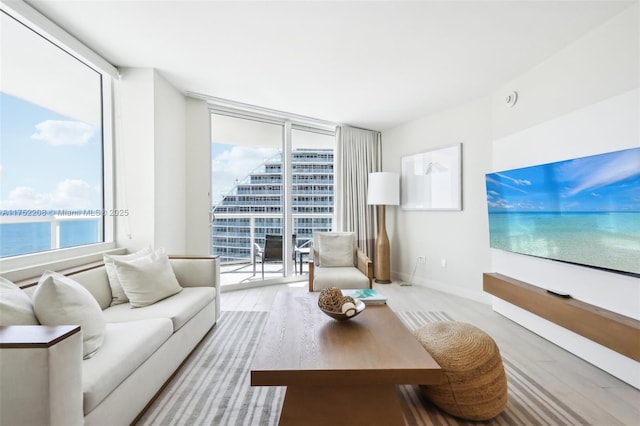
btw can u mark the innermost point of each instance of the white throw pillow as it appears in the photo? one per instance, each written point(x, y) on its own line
point(147, 279)
point(118, 295)
point(336, 249)
point(59, 300)
point(16, 308)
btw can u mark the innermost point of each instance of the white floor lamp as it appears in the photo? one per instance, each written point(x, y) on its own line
point(384, 190)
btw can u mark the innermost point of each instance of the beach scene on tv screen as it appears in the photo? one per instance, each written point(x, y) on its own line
point(584, 210)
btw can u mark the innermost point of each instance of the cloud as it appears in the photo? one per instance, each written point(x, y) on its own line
point(60, 133)
point(599, 171)
point(234, 165)
point(69, 194)
point(24, 196)
point(519, 182)
point(500, 203)
point(501, 183)
point(527, 205)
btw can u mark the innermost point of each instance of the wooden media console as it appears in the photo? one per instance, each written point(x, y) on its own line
point(612, 330)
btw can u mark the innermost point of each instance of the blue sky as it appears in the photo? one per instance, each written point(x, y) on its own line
point(233, 163)
point(605, 182)
point(47, 160)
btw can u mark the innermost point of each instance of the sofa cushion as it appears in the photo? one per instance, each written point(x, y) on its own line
point(59, 300)
point(336, 249)
point(341, 277)
point(118, 295)
point(179, 308)
point(126, 346)
point(16, 307)
point(97, 282)
point(147, 279)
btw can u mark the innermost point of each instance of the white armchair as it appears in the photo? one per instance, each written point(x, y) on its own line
point(335, 261)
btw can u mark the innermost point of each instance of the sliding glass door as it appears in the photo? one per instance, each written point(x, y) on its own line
point(272, 187)
point(312, 188)
point(247, 182)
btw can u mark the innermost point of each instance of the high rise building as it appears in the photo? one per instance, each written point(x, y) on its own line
point(257, 201)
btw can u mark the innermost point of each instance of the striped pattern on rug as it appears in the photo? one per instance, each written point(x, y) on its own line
point(213, 386)
point(529, 403)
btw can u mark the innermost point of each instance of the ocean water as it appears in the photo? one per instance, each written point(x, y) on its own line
point(24, 238)
point(604, 240)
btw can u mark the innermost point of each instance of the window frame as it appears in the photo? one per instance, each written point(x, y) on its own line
point(29, 265)
point(290, 123)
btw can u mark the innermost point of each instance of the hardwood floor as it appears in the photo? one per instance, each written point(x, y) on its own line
point(594, 394)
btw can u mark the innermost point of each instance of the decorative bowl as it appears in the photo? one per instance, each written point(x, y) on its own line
point(341, 317)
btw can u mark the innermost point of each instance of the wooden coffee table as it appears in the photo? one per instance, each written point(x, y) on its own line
point(339, 372)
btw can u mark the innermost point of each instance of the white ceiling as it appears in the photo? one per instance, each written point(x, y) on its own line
point(368, 64)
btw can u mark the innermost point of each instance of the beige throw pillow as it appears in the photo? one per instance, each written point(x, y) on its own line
point(16, 308)
point(336, 249)
point(59, 300)
point(147, 279)
point(118, 295)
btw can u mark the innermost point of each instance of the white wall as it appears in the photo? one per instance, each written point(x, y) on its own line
point(599, 65)
point(134, 158)
point(460, 237)
point(583, 100)
point(150, 159)
point(170, 166)
point(605, 126)
point(198, 178)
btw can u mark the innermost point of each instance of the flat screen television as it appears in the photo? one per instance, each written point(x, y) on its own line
point(584, 211)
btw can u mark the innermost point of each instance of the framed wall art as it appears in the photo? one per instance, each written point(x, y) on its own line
point(432, 180)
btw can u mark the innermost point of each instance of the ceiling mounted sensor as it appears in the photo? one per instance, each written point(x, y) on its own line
point(511, 99)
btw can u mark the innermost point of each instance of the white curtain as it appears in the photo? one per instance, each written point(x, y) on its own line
point(358, 153)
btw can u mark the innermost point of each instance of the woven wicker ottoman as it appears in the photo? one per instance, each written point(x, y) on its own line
point(476, 386)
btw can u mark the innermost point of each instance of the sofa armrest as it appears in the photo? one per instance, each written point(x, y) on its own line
point(196, 271)
point(41, 375)
point(365, 266)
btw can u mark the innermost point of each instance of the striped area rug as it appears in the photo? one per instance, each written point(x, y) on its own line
point(213, 386)
point(529, 403)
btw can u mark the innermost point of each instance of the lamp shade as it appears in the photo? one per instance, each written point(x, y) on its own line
point(384, 189)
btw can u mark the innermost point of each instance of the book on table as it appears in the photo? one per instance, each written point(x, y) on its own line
point(368, 295)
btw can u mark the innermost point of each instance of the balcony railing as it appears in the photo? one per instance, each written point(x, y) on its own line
point(243, 236)
point(55, 235)
point(236, 245)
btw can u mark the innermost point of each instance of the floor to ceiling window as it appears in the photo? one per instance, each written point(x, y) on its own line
point(52, 139)
point(272, 181)
point(312, 188)
point(247, 182)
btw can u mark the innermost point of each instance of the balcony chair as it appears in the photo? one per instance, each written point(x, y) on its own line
point(335, 261)
point(300, 251)
point(272, 252)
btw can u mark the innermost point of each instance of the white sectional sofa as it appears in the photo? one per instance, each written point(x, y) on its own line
point(44, 379)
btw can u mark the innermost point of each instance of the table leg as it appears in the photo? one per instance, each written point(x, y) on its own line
point(342, 405)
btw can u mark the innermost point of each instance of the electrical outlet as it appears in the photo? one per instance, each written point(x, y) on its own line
point(422, 259)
